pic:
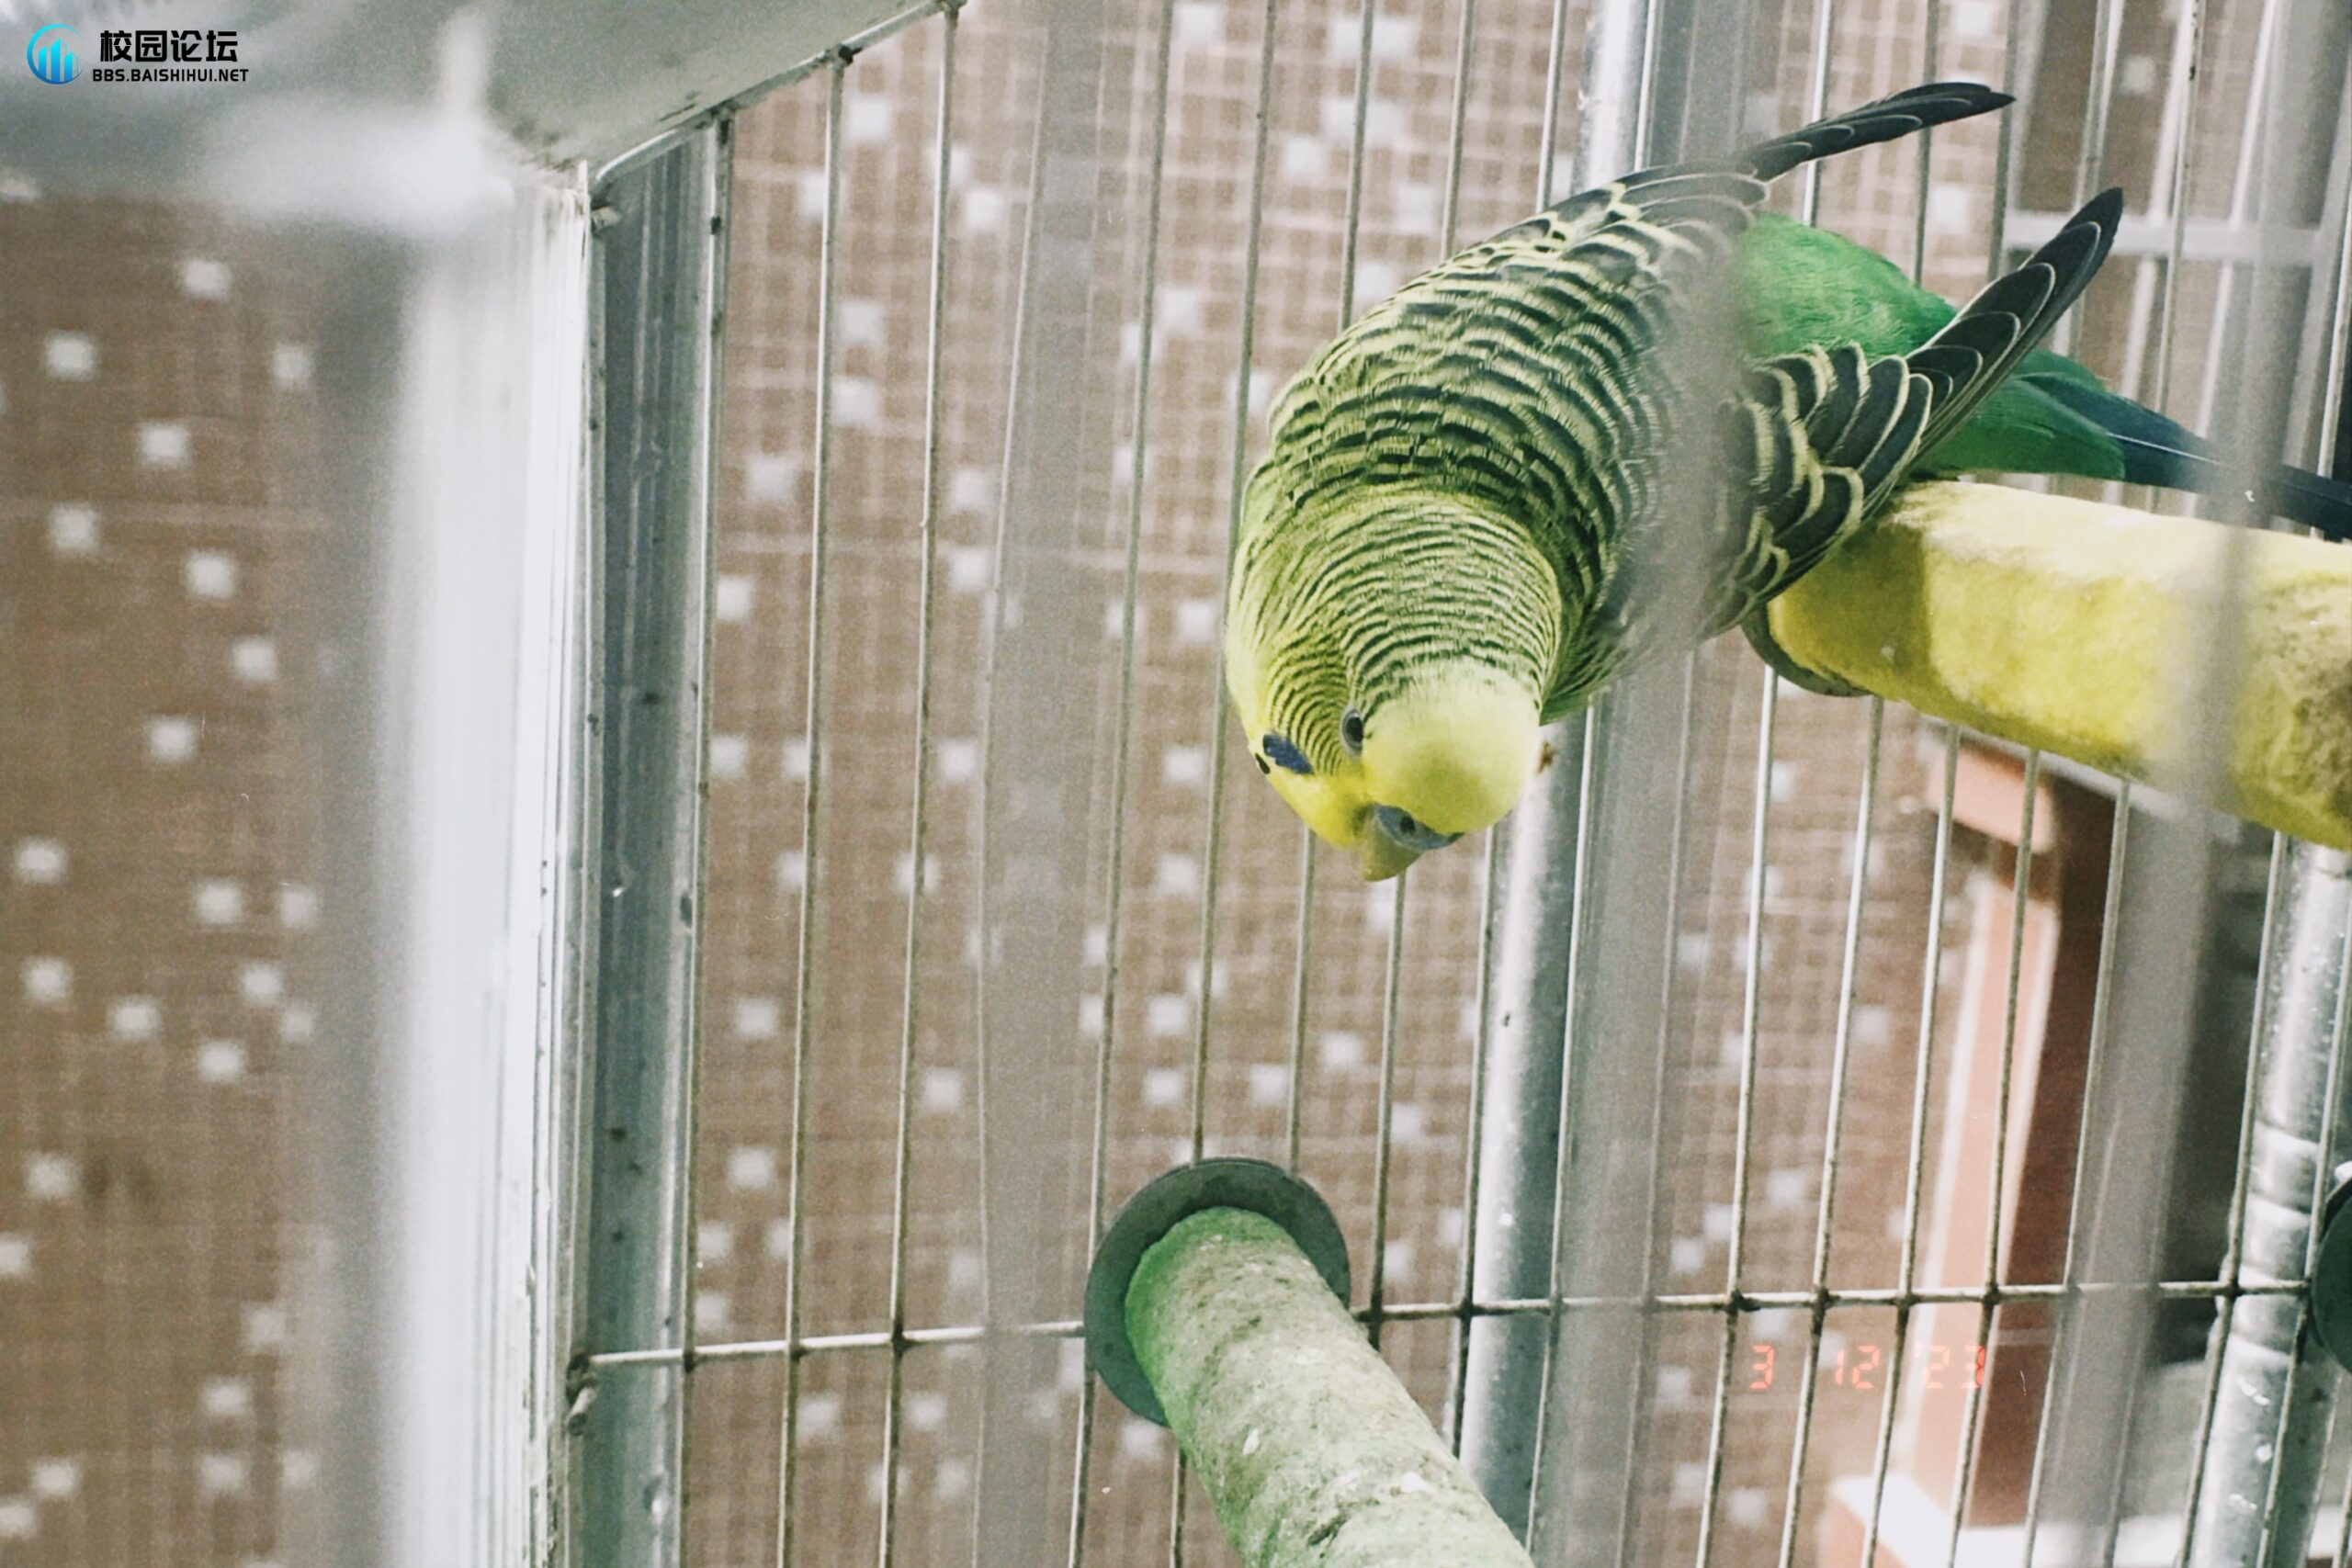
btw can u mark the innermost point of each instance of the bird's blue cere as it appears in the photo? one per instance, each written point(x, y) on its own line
point(1285, 755)
point(1404, 828)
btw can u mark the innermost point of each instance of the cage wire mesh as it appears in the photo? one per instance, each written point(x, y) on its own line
point(1927, 1065)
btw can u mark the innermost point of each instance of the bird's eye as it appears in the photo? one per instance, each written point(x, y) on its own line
point(1352, 732)
point(1262, 766)
point(1402, 828)
point(1285, 755)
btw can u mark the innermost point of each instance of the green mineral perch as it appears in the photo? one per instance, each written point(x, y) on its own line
point(2063, 624)
point(1311, 1450)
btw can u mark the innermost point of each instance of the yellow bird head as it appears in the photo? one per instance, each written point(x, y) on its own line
point(1387, 656)
point(1447, 754)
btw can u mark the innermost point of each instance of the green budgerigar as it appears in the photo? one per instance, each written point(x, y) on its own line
point(1445, 545)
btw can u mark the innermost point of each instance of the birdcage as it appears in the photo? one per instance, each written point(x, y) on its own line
point(1805, 1132)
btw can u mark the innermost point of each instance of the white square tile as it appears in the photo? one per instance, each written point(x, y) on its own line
point(73, 530)
point(290, 366)
point(867, 118)
point(210, 574)
point(752, 1167)
point(860, 323)
point(730, 756)
point(771, 477)
point(731, 597)
point(253, 660)
point(943, 1090)
point(134, 1018)
point(70, 357)
point(265, 1328)
point(219, 901)
point(973, 488)
point(228, 1399)
point(170, 738)
point(163, 443)
point(857, 402)
point(201, 278)
point(220, 1062)
point(40, 861)
point(1196, 620)
point(52, 1177)
point(261, 985)
point(48, 981)
point(223, 1476)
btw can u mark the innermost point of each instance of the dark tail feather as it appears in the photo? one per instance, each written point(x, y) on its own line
point(2158, 452)
point(1976, 352)
point(1914, 108)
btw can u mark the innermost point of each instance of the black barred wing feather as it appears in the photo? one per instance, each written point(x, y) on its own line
point(1834, 433)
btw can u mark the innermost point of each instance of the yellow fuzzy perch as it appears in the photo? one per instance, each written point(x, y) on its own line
point(2074, 626)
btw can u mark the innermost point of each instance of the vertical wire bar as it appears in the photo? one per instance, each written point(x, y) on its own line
point(1996, 1179)
point(2342, 1556)
point(2090, 159)
point(1474, 1139)
point(1251, 248)
point(1840, 1059)
point(1964, 1482)
point(1526, 973)
point(1751, 1002)
point(2070, 1282)
point(1098, 1158)
point(1891, 1402)
point(2249, 142)
point(911, 990)
point(1376, 1268)
point(1548, 135)
point(1302, 949)
point(1907, 1273)
point(1751, 1007)
point(661, 311)
point(2311, 1377)
point(1555, 1286)
point(804, 957)
point(1350, 241)
point(2234, 1244)
point(715, 255)
point(1637, 1431)
point(1252, 245)
point(1302, 935)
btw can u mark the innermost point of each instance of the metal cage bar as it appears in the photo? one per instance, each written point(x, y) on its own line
point(659, 285)
point(804, 971)
point(926, 619)
point(1531, 885)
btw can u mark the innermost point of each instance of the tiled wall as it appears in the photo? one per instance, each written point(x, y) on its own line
point(158, 552)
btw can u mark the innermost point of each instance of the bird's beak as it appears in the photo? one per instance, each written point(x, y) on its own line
point(1380, 857)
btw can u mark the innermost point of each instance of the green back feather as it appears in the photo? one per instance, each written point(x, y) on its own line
point(1801, 287)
